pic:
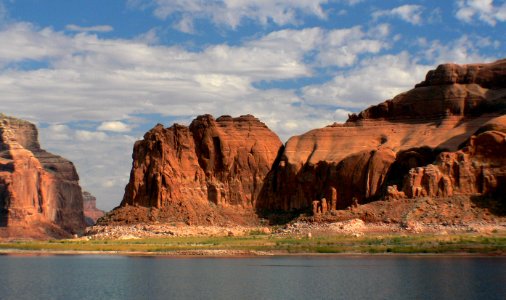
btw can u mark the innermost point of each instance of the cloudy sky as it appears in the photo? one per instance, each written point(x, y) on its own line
point(95, 75)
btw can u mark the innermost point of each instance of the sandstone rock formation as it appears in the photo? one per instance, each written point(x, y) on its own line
point(377, 148)
point(205, 172)
point(39, 192)
point(478, 169)
point(197, 174)
point(91, 212)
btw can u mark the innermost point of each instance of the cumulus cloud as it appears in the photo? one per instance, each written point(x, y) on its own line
point(341, 47)
point(114, 126)
point(86, 136)
point(465, 49)
point(371, 81)
point(483, 10)
point(410, 13)
point(97, 28)
point(22, 41)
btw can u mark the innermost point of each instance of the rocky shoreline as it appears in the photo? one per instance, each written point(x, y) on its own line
point(354, 227)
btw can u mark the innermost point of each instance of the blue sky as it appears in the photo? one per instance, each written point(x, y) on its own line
point(95, 75)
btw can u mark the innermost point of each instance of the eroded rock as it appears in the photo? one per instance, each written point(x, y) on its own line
point(40, 194)
point(196, 174)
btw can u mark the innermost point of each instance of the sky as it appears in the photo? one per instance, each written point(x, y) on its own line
point(95, 75)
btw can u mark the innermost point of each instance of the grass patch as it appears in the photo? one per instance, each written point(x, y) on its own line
point(463, 243)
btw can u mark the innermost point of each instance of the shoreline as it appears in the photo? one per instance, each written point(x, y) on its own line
point(352, 237)
point(233, 254)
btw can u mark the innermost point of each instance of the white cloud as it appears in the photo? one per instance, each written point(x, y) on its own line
point(483, 10)
point(232, 13)
point(21, 41)
point(97, 28)
point(114, 126)
point(465, 49)
point(337, 47)
point(341, 47)
point(149, 37)
point(370, 82)
point(382, 77)
point(59, 132)
point(341, 115)
point(410, 13)
point(87, 136)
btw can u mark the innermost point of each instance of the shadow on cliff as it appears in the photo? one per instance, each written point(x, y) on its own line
point(268, 197)
point(496, 202)
point(4, 220)
point(4, 214)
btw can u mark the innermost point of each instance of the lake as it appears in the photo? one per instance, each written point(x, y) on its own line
point(290, 277)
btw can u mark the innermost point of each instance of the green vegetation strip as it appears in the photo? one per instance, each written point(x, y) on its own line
point(463, 243)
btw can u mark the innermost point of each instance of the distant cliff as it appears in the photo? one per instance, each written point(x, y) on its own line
point(40, 194)
point(91, 212)
point(204, 172)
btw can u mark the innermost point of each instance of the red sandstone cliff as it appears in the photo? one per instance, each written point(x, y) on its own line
point(199, 174)
point(39, 192)
point(213, 168)
point(477, 169)
point(91, 212)
point(356, 161)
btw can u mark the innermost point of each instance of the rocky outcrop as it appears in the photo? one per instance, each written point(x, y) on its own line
point(204, 172)
point(477, 169)
point(91, 212)
point(197, 174)
point(40, 194)
point(379, 146)
point(450, 90)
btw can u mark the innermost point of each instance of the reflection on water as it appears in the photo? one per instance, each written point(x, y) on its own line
point(332, 277)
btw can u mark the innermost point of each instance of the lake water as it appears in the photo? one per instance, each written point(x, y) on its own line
point(299, 277)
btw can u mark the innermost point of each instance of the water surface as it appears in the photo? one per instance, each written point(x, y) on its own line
point(300, 277)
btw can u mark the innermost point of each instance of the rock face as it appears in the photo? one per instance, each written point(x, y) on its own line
point(39, 192)
point(91, 212)
point(195, 174)
point(379, 146)
point(478, 169)
point(201, 173)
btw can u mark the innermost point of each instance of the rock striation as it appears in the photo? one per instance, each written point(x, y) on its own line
point(40, 194)
point(378, 147)
point(197, 174)
point(91, 212)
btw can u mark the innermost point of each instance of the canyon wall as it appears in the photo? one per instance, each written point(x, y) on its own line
point(477, 169)
point(378, 147)
point(204, 172)
point(40, 194)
